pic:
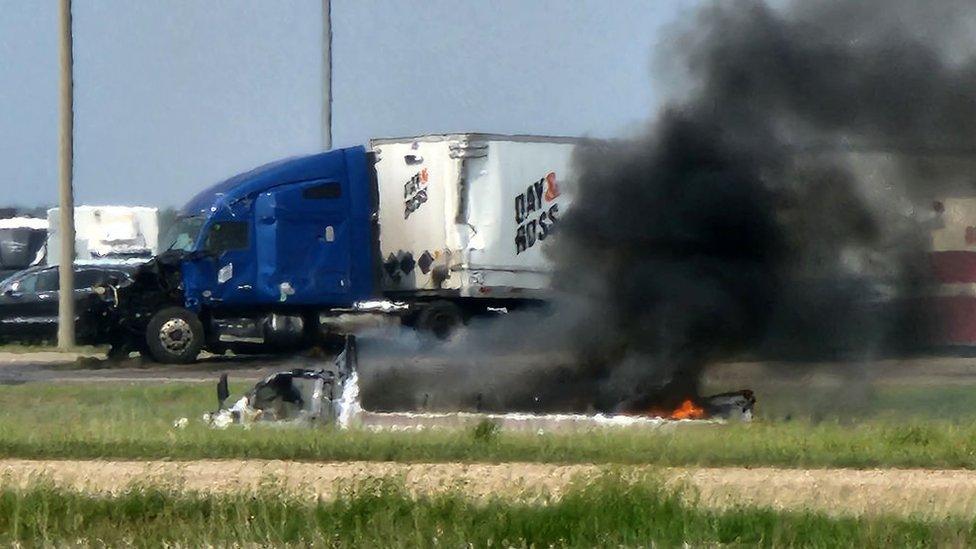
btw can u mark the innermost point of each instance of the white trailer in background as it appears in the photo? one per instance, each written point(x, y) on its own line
point(108, 233)
point(467, 216)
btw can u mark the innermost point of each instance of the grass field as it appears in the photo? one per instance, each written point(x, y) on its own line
point(798, 426)
point(607, 511)
point(901, 427)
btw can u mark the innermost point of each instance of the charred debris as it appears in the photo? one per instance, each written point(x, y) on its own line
point(299, 396)
point(329, 396)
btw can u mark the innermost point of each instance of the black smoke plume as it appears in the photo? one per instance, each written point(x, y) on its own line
point(778, 205)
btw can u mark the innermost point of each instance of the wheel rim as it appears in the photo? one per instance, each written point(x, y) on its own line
point(176, 335)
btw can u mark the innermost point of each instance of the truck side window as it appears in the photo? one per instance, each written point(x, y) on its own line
point(227, 235)
point(323, 191)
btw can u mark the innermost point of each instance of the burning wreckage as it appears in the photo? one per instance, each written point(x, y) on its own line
point(301, 396)
point(330, 396)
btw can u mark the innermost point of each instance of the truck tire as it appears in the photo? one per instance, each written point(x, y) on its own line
point(174, 336)
point(440, 318)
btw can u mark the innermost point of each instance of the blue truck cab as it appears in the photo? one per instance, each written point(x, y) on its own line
point(262, 252)
point(295, 232)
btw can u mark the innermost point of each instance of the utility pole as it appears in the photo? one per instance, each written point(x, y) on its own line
point(327, 74)
point(66, 304)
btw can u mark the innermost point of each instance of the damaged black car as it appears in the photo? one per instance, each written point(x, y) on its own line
point(29, 304)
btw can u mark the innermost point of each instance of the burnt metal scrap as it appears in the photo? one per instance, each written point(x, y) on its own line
point(736, 405)
point(300, 396)
point(330, 396)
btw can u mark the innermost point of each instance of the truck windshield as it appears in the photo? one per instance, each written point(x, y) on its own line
point(183, 234)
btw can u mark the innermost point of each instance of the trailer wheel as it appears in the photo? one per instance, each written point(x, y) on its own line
point(174, 336)
point(440, 318)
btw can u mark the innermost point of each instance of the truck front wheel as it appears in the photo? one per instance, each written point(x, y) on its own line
point(174, 336)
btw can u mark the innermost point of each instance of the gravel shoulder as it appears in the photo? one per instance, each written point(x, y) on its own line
point(932, 494)
point(52, 367)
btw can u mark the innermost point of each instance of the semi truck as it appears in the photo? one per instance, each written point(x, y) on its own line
point(429, 230)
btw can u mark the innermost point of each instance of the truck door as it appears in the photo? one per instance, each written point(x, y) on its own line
point(223, 270)
point(304, 242)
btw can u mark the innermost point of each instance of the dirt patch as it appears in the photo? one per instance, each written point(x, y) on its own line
point(902, 492)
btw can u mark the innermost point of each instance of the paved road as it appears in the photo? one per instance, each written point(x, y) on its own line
point(17, 368)
point(417, 374)
point(25, 367)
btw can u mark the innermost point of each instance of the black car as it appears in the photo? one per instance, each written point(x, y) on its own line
point(29, 303)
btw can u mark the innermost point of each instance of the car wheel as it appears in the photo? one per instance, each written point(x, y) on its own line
point(174, 336)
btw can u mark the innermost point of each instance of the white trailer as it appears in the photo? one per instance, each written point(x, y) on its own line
point(469, 215)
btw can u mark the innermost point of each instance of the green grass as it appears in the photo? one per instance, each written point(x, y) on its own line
point(861, 401)
point(606, 512)
point(97, 420)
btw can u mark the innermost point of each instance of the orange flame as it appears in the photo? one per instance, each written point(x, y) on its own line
point(687, 410)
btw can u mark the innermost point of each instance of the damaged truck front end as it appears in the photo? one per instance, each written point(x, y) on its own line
point(151, 314)
point(132, 303)
point(256, 261)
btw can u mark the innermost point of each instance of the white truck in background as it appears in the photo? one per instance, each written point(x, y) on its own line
point(107, 233)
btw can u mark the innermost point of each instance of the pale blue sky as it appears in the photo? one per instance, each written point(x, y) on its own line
point(171, 96)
